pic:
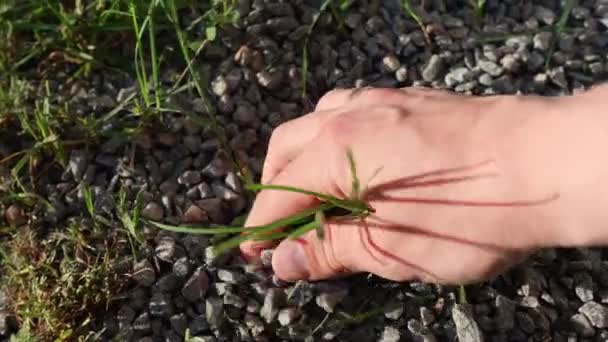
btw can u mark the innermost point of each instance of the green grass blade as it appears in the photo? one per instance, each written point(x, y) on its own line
point(200, 230)
point(320, 220)
point(353, 170)
point(303, 230)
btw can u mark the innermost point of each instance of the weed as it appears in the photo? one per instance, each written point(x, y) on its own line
point(409, 10)
point(558, 29)
point(478, 8)
point(309, 32)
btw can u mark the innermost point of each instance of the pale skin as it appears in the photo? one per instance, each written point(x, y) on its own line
point(464, 187)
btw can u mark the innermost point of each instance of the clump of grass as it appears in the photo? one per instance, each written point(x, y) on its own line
point(293, 226)
point(57, 284)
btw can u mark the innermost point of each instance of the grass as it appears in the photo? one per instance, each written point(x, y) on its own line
point(60, 277)
point(558, 29)
point(407, 7)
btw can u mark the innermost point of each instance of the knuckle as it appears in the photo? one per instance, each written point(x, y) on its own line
point(339, 130)
point(329, 98)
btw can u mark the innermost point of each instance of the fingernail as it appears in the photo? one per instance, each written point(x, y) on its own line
point(294, 264)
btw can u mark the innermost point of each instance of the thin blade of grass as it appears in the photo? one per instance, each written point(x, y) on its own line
point(353, 170)
point(303, 230)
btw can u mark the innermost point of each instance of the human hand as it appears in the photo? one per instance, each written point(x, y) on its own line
point(456, 181)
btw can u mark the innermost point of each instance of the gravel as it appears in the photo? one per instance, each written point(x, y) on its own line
point(255, 85)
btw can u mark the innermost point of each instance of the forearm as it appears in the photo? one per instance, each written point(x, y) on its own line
point(565, 152)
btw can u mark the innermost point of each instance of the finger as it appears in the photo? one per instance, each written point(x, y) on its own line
point(271, 205)
point(288, 140)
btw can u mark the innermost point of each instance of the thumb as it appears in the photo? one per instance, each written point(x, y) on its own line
point(312, 258)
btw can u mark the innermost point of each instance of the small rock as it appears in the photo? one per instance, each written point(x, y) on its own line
point(426, 316)
point(230, 277)
point(300, 294)
point(401, 74)
point(329, 300)
point(254, 324)
point(214, 311)
point(544, 15)
point(272, 301)
point(288, 316)
point(204, 190)
point(581, 325)
point(390, 334)
point(144, 273)
point(153, 211)
point(281, 24)
point(142, 323)
point(223, 192)
point(166, 249)
point(584, 287)
point(558, 76)
point(525, 322)
point(194, 214)
point(219, 86)
point(196, 287)
point(505, 313)
point(391, 63)
point(189, 178)
point(179, 323)
point(542, 41)
point(181, 267)
point(457, 76)
point(271, 80)
point(490, 67)
point(77, 164)
point(234, 300)
point(432, 69)
point(466, 327)
point(15, 216)
point(161, 305)
point(244, 114)
point(596, 313)
point(394, 312)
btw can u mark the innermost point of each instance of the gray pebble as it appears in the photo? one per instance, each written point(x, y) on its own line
point(558, 76)
point(204, 190)
point(390, 334)
point(194, 214)
point(153, 211)
point(233, 300)
point(457, 76)
point(584, 287)
point(426, 316)
point(179, 323)
point(214, 311)
point(581, 325)
point(219, 86)
point(287, 316)
point(230, 276)
point(490, 67)
point(273, 300)
point(223, 192)
point(505, 313)
point(544, 14)
point(466, 326)
point(432, 69)
point(189, 178)
point(166, 249)
point(78, 164)
point(166, 283)
point(254, 324)
point(525, 322)
point(328, 300)
point(281, 24)
point(196, 286)
point(270, 79)
point(391, 63)
point(160, 305)
point(596, 313)
point(401, 74)
point(142, 323)
point(542, 41)
point(181, 267)
point(395, 311)
point(244, 114)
